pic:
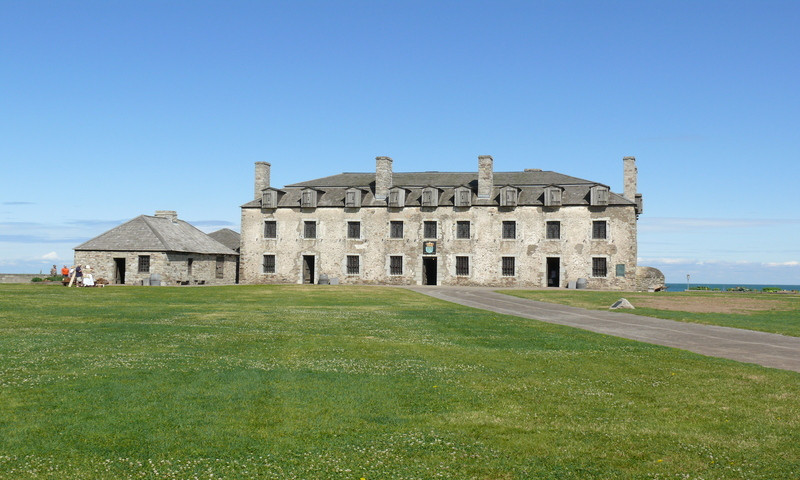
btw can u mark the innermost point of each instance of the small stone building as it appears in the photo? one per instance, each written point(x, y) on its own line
point(531, 228)
point(158, 246)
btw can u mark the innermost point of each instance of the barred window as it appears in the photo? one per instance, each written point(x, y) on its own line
point(429, 229)
point(508, 266)
point(462, 229)
point(144, 263)
point(220, 271)
point(599, 267)
point(553, 230)
point(510, 229)
point(599, 229)
point(270, 229)
point(309, 229)
point(396, 229)
point(353, 229)
point(396, 265)
point(462, 266)
point(269, 264)
point(352, 265)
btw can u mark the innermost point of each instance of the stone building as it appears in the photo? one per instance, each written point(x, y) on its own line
point(159, 246)
point(530, 229)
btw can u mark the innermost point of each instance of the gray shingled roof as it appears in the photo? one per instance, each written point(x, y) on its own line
point(531, 184)
point(156, 234)
point(227, 237)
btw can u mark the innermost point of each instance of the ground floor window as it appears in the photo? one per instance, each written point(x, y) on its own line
point(269, 264)
point(352, 265)
point(396, 265)
point(509, 266)
point(144, 263)
point(462, 266)
point(599, 267)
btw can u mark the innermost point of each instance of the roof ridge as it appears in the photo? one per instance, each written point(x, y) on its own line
point(155, 231)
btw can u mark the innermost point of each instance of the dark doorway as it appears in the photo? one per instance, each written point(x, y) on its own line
point(119, 271)
point(553, 272)
point(308, 269)
point(429, 270)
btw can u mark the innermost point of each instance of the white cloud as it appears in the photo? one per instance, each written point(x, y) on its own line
point(50, 256)
point(783, 264)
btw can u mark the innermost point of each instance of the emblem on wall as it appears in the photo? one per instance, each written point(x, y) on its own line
point(429, 248)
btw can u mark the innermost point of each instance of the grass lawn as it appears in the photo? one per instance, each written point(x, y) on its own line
point(773, 313)
point(363, 382)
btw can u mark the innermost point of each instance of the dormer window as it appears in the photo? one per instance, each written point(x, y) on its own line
point(430, 197)
point(397, 198)
point(463, 197)
point(552, 196)
point(269, 198)
point(599, 196)
point(352, 198)
point(308, 198)
point(508, 196)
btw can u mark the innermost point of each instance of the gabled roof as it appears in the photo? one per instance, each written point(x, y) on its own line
point(156, 234)
point(443, 179)
point(227, 237)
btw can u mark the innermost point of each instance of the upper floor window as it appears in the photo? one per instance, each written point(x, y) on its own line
point(397, 197)
point(552, 196)
point(508, 196)
point(599, 195)
point(463, 197)
point(429, 229)
point(462, 229)
point(270, 229)
point(269, 199)
point(599, 229)
point(430, 197)
point(553, 230)
point(308, 198)
point(310, 229)
point(509, 229)
point(353, 229)
point(144, 263)
point(353, 267)
point(396, 229)
point(352, 198)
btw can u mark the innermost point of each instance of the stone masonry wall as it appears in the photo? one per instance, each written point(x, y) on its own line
point(173, 267)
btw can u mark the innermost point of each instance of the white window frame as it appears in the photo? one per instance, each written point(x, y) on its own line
point(275, 255)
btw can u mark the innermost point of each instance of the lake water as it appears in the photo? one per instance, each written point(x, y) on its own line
point(679, 287)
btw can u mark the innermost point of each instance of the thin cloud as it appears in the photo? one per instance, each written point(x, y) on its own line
point(50, 256)
point(783, 264)
point(211, 223)
point(40, 239)
point(666, 224)
point(19, 203)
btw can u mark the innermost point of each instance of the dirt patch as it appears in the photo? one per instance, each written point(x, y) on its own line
point(710, 304)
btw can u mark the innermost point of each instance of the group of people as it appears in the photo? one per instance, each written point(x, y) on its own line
point(81, 278)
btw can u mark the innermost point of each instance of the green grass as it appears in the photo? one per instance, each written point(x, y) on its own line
point(776, 313)
point(375, 383)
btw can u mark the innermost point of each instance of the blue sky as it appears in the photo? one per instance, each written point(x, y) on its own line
point(115, 109)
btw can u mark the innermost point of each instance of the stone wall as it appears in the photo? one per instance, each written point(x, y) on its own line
point(575, 249)
point(172, 267)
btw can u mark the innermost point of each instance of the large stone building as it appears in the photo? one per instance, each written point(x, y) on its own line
point(532, 228)
point(159, 247)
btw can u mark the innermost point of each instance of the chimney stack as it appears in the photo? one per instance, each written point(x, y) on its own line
point(629, 178)
point(262, 178)
point(485, 176)
point(170, 215)
point(383, 177)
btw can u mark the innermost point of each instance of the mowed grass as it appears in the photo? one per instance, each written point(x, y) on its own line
point(773, 313)
point(363, 382)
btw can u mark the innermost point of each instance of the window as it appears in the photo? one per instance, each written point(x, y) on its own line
point(620, 269)
point(353, 229)
point(397, 197)
point(508, 196)
point(352, 198)
point(462, 229)
point(553, 230)
point(599, 229)
point(269, 264)
point(396, 229)
point(396, 265)
point(308, 199)
point(269, 199)
point(430, 197)
point(429, 229)
point(270, 229)
point(462, 266)
point(598, 195)
point(309, 229)
point(508, 266)
point(509, 229)
point(220, 271)
point(189, 263)
point(144, 263)
point(599, 267)
point(552, 196)
point(463, 197)
point(352, 265)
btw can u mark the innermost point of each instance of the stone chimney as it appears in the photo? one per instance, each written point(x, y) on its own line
point(383, 177)
point(262, 178)
point(485, 176)
point(170, 215)
point(629, 178)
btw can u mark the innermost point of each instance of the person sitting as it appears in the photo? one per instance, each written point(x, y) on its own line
point(88, 280)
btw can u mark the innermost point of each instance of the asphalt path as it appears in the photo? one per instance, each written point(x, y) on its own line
point(767, 349)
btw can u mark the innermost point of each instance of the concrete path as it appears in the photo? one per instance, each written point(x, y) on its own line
point(767, 349)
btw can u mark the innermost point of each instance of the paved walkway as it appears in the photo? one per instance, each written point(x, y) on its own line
point(767, 349)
